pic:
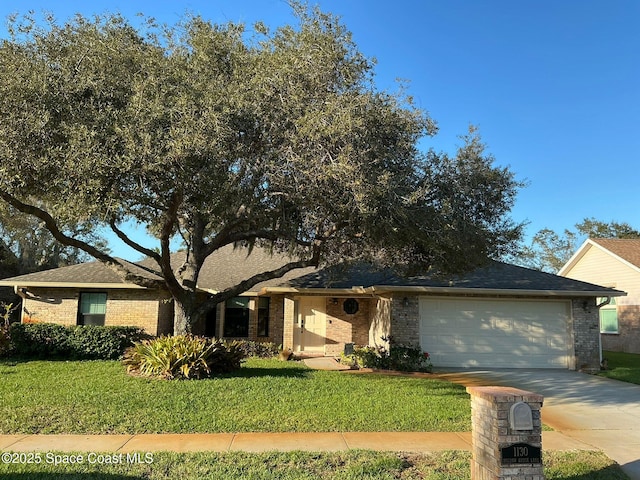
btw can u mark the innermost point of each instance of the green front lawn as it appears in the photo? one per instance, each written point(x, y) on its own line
point(622, 366)
point(304, 465)
point(263, 396)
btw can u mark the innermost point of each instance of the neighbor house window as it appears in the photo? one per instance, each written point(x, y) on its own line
point(263, 316)
point(236, 317)
point(608, 316)
point(92, 308)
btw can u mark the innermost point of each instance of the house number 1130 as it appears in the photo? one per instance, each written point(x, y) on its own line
point(520, 452)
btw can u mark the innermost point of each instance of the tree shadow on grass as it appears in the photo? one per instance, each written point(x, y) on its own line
point(13, 361)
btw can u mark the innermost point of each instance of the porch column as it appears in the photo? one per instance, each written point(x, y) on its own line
point(289, 320)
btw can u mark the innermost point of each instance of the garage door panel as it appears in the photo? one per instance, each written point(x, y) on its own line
point(495, 333)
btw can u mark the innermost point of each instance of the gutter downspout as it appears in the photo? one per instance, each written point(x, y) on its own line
point(606, 301)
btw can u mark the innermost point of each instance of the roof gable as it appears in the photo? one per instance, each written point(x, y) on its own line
point(625, 250)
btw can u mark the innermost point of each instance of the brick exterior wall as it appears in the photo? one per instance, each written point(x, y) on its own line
point(149, 309)
point(276, 320)
point(405, 319)
point(344, 328)
point(628, 337)
point(58, 306)
point(585, 335)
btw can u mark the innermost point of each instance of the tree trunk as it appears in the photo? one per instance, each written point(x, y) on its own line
point(181, 318)
point(187, 312)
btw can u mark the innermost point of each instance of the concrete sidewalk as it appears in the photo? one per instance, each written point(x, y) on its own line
point(421, 442)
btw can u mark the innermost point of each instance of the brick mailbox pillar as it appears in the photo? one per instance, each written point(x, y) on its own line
point(506, 434)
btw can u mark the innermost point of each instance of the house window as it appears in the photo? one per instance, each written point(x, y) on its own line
point(608, 316)
point(92, 308)
point(236, 317)
point(263, 316)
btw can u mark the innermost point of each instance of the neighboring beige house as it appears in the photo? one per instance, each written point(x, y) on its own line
point(497, 316)
point(612, 263)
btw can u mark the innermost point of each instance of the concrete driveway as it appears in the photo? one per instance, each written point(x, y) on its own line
point(599, 412)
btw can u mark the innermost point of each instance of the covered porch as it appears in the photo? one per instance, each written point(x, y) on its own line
point(322, 324)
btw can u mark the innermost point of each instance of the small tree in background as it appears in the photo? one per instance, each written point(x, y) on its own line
point(29, 246)
point(549, 251)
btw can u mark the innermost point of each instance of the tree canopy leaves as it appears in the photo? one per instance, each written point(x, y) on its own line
point(27, 246)
point(223, 136)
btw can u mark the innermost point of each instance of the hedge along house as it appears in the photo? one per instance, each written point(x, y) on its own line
point(497, 316)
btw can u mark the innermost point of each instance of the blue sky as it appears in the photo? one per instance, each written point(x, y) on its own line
point(553, 85)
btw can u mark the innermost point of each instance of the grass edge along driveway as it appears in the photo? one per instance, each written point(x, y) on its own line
point(622, 366)
point(94, 397)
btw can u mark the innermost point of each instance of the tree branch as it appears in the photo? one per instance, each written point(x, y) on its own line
point(136, 246)
point(52, 226)
point(164, 259)
point(228, 238)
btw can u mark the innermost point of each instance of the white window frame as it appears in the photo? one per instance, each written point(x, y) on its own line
point(610, 307)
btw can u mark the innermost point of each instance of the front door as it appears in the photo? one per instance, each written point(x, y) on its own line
point(311, 325)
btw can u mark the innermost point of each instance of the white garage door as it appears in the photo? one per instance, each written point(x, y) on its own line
point(495, 333)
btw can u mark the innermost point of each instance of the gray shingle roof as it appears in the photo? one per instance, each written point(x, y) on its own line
point(494, 276)
point(224, 268)
point(82, 273)
point(229, 266)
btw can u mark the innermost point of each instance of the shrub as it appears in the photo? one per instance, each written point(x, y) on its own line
point(39, 340)
point(258, 349)
point(104, 343)
point(408, 359)
point(48, 340)
point(397, 357)
point(183, 357)
point(5, 341)
point(369, 357)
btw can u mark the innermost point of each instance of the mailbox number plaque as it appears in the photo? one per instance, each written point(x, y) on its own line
point(520, 453)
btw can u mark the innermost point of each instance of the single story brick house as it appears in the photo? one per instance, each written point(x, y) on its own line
point(614, 263)
point(500, 315)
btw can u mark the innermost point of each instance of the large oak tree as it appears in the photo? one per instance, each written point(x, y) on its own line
point(223, 136)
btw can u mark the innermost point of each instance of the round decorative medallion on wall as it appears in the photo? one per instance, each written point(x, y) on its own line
point(350, 306)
